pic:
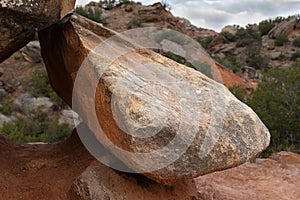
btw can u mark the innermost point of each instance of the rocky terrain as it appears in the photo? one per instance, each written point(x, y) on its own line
point(248, 51)
point(126, 99)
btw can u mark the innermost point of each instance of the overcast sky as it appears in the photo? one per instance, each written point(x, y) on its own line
point(215, 14)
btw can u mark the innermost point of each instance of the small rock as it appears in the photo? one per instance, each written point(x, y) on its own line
point(26, 103)
point(275, 55)
point(230, 29)
point(70, 117)
point(31, 52)
point(128, 8)
point(3, 119)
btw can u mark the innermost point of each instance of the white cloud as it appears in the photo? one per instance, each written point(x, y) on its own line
point(215, 14)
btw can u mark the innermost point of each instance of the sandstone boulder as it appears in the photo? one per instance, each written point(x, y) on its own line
point(160, 118)
point(100, 182)
point(283, 28)
point(20, 19)
point(229, 29)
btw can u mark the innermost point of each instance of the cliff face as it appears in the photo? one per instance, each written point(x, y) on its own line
point(125, 17)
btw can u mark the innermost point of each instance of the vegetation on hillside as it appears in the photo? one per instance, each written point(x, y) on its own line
point(41, 124)
point(39, 86)
point(277, 103)
point(38, 126)
point(249, 43)
point(90, 13)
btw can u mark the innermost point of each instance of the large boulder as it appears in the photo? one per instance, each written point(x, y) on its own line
point(160, 118)
point(283, 28)
point(20, 19)
point(100, 182)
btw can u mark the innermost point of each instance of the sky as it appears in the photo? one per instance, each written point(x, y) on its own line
point(215, 14)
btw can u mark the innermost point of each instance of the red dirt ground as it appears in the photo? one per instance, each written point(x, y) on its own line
point(30, 172)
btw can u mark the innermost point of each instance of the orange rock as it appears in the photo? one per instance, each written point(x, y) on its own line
point(21, 19)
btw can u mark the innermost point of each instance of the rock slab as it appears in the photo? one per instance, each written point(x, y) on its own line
point(275, 178)
point(160, 118)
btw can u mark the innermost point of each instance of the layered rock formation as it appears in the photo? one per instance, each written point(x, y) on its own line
point(147, 103)
point(135, 15)
point(284, 28)
point(20, 19)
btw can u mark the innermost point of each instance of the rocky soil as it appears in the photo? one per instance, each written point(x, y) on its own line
point(67, 171)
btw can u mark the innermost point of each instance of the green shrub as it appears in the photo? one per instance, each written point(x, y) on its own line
point(36, 127)
point(243, 42)
point(39, 86)
point(229, 37)
point(265, 26)
point(254, 58)
point(108, 4)
point(134, 23)
point(229, 62)
point(175, 57)
point(173, 36)
point(205, 41)
point(296, 42)
point(56, 132)
point(6, 109)
point(245, 37)
point(281, 40)
point(239, 93)
point(295, 56)
point(277, 103)
point(204, 68)
point(92, 14)
point(166, 5)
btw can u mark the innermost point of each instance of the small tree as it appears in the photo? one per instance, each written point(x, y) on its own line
point(281, 40)
point(90, 13)
point(296, 42)
point(166, 5)
point(265, 26)
point(277, 103)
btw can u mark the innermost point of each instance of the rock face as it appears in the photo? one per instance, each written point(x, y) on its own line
point(274, 178)
point(147, 103)
point(284, 28)
point(20, 19)
point(101, 182)
point(135, 15)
